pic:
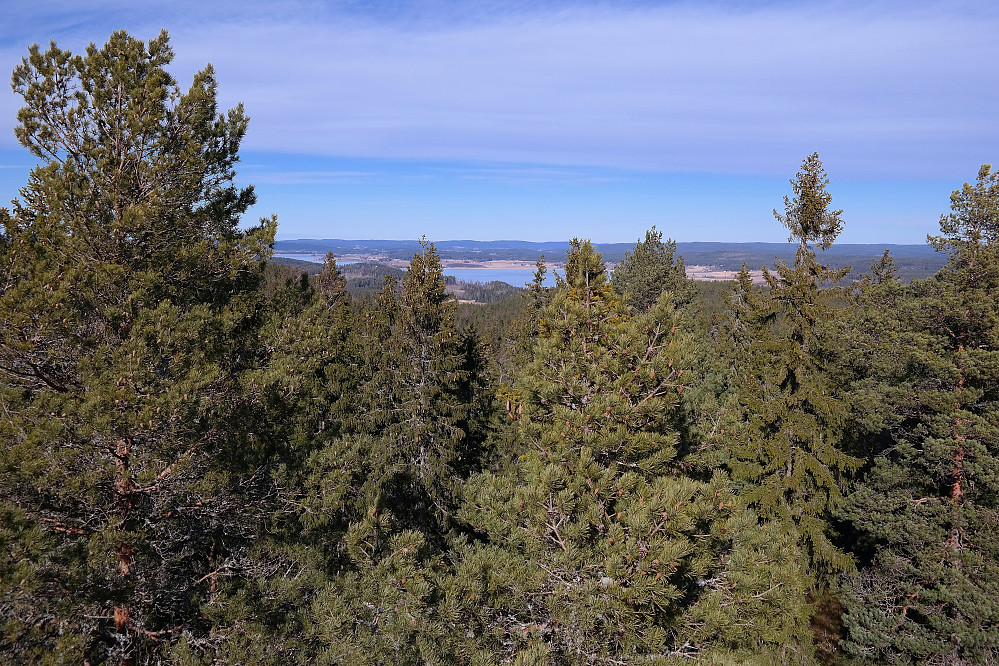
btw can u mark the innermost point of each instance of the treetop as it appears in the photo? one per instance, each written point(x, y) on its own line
point(807, 215)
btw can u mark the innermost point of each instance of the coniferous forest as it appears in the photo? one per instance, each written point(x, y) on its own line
point(208, 458)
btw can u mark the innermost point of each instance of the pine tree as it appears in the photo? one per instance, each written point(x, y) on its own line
point(130, 484)
point(787, 451)
point(651, 268)
point(929, 507)
point(593, 545)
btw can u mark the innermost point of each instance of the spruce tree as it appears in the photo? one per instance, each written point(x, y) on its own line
point(385, 494)
point(787, 451)
point(418, 385)
point(538, 296)
point(130, 484)
point(305, 391)
point(306, 376)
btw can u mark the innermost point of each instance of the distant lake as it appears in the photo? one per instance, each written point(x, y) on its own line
point(518, 277)
point(314, 257)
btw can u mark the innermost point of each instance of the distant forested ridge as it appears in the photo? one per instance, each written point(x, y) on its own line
point(912, 261)
point(210, 457)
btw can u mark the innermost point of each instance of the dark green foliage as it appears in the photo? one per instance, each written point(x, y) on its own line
point(494, 321)
point(306, 379)
point(380, 499)
point(597, 547)
point(366, 278)
point(296, 265)
point(869, 346)
point(787, 447)
point(423, 375)
point(130, 481)
point(210, 458)
point(538, 298)
point(927, 512)
point(652, 268)
point(807, 216)
point(711, 299)
point(522, 331)
point(362, 278)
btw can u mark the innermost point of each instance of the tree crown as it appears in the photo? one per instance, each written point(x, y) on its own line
point(974, 220)
point(807, 215)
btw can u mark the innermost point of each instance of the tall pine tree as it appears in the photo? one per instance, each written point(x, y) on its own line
point(929, 507)
point(130, 482)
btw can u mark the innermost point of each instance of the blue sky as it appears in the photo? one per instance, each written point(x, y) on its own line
point(546, 120)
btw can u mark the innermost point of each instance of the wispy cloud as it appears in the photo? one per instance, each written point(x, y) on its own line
point(661, 88)
point(533, 175)
point(714, 87)
point(308, 177)
point(445, 108)
point(888, 89)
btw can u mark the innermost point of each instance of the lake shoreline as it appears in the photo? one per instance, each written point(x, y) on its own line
point(696, 272)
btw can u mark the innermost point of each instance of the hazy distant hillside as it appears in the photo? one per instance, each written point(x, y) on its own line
point(456, 249)
point(914, 261)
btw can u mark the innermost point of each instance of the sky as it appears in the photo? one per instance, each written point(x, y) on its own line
point(547, 120)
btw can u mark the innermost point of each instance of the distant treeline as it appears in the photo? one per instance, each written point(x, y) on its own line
point(369, 277)
point(480, 292)
point(913, 261)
